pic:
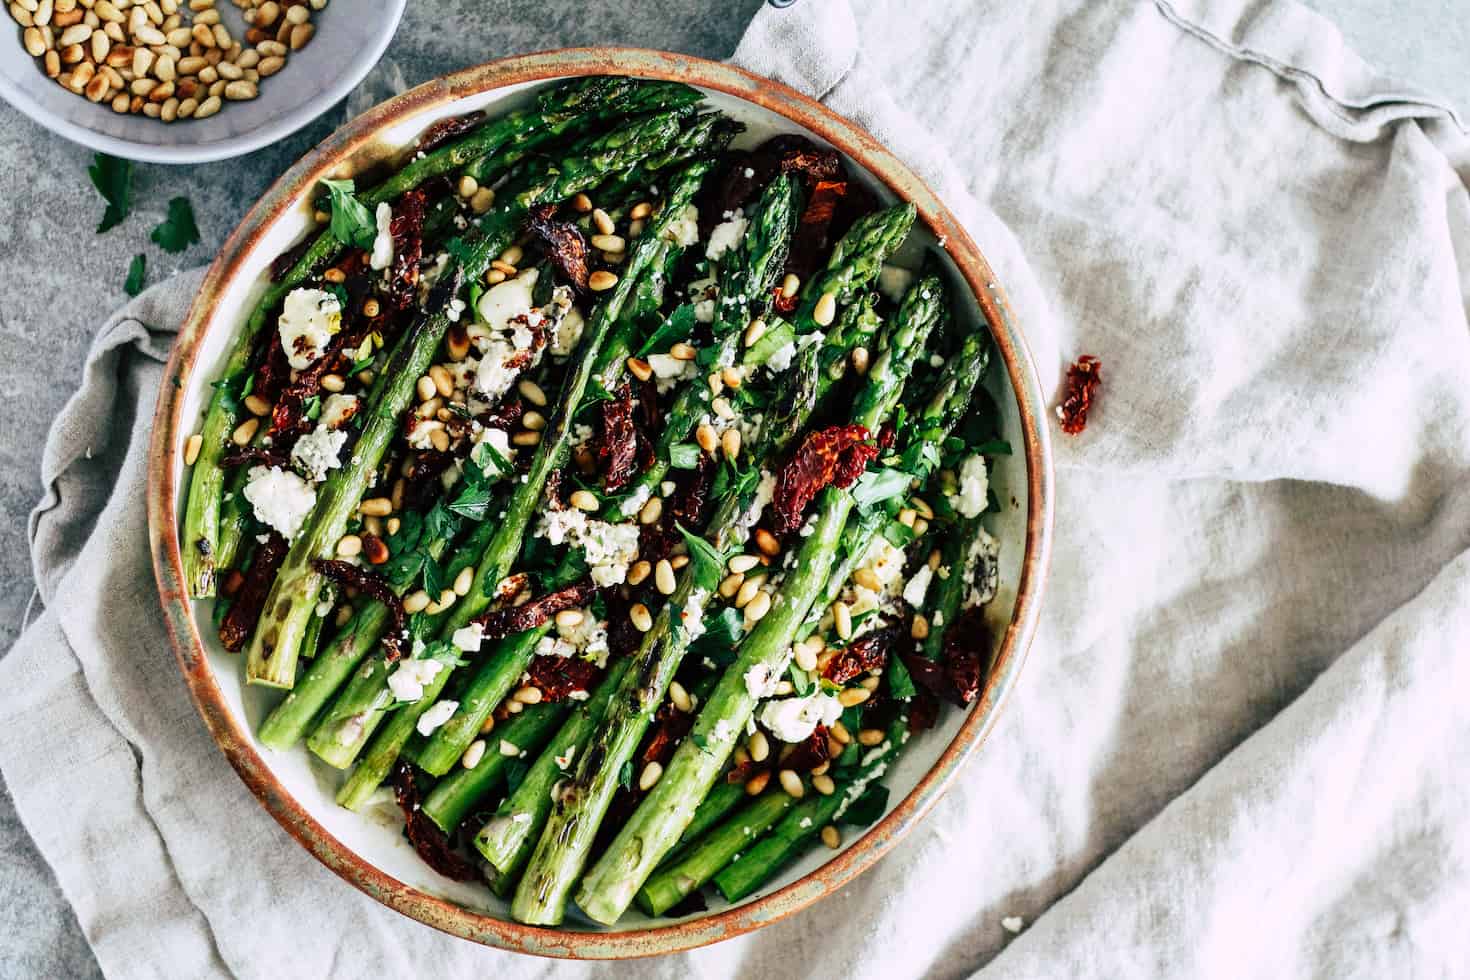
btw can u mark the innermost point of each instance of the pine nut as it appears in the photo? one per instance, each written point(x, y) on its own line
point(245, 432)
point(639, 571)
point(532, 392)
point(333, 382)
point(208, 107)
point(482, 200)
point(349, 545)
point(603, 223)
point(640, 369)
point(439, 439)
point(376, 507)
point(650, 775)
point(851, 697)
point(642, 619)
point(859, 359)
point(759, 747)
point(529, 695)
point(754, 332)
point(790, 285)
point(756, 784)
point(922, 508)
point(805, 658)
point(730, 585)
point(740, 756)
point(757, 608)
point(831, 836)
point(525, 439)
point(651, 511)
point(733, 377)
point(826, 310)
point(748, 590)
point(241, 91)
point(871, 683)
point(766, 543)
point(582, 203)
point(822, 783)
point(463, 581)
point(742, 563)
point(271, 48)
point(601, 281)
point(191, 449)
point(723, 408)
point(188, 107)
point(534, 421)
point(53, 68)
point(473, 754)
point(907, 516)
point(374, 549)
point(706, 437)
point(440, 380)
point(229, 71)
point(683, 352)
point(640, 211)
point(868, 579)
point(301, 36)
point(608, 243)
point(919, 630)
point(730, 441)
point(680, 697)
point(394, 523)
point(457, 343)
point(920, 526)
point(663, 577)
point(584, 500)
point(870, 737)
point(500, 265)
point(257, 405)
point(416, 602)
point(270, 64)
point(297, 15)
point(842, 619)
point(839, 731)
point(569, 618)
point(791, 783)
point(509, 749)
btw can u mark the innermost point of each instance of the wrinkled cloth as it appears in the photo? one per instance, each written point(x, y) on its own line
point(1238, 747)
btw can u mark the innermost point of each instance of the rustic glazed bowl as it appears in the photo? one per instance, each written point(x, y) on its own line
point(298, 791)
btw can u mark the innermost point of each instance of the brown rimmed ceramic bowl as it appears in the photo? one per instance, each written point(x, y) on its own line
point(367, 849)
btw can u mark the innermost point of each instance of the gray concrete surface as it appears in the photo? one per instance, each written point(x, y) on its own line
point(61, 280)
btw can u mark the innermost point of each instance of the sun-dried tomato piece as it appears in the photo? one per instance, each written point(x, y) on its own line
point(867, 652)
point(254, 456)
point(447, 129)
point(565, 245)
point(558, 678)
point(273, 371)
point(741, 772)
point(249, 597)
point(431, 843)
point(810, 243)
point(688, 507)
point(747, 172)
point(834, 456)
point(288, 417)
point(500, 623)
point(923, 712)
point(886, 435)
point(407, 229)
point(372, 584)
point(622, 636)
point(617, 442)
point(966, 648)
point(1083, 378)
point(810, 753)
point(782, 303)
point(505, 415)
point(669, 725)
point(926, 673)
point(422, 487)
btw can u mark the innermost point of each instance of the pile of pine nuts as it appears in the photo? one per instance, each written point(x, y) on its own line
point(166, 59)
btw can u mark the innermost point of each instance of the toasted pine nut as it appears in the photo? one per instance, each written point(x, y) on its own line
point(723, 408)
point(601, 281)
point(640, 211)
point(766, 543)
point(706, 438)
point(822, 783)
point(826, 310)
point(639, 571)
point(651, 511)
point(525, 439)
point(467, 186)
point(680, 697)
point(582, 203)
point(839, 731)
point(919, 630)
point(859, 359)
point(733, 377)
point(748, 590)
point(640, 368)
point(641, 618)
point(759, 747)
point(416, 601)
point(534, 421)
point(851, 697)
point(482, 200)
point(245, 432)
point(191, 449)
point(509, 749)
point(473, 754)
point(742, 563)
point(333, 382)
point(208, 107)
point(532, 392)
point(584, 500)
point(349, 545)
point(270, 64)
point(730, 441)
point(804, 657)
point(791, 783)
point(870, 737)
point(907, 516)
point(756, 784)
point(649, 776)
point(301, 36)
point(790, 285)
point(842, 619)
point(663, 577)
point(603, 223)
point(257, 405)
point(376, 507)
point(494, 277)
point(754, 332)
point(500, 265)
point(529, 695)
point(608, 243)
point(569, 618)
point(868, 579)
point(757, 608)
point(831, 836)
point(683, 352)
point(730, 585)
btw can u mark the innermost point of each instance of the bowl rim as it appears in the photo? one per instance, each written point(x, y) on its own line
point(271, 131)
point(236, 741)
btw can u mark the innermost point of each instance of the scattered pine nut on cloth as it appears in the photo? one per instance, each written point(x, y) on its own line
point(1239, 745)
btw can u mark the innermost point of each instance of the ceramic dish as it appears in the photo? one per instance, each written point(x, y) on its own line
point(371, 854)
point(343, 50)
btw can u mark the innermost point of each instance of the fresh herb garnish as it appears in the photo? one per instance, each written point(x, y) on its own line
point(868, 807)
point(137, 271)
point(177, 231)
point(352, 223)
point(707, 564)
point(877, 486)
point(678, 326)
point(113, 178)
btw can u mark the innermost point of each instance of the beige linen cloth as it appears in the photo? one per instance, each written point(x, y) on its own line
point(1240, 747)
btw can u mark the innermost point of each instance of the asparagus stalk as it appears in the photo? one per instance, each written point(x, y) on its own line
point(805, 820)
point(376, 762)
point(721, 800)
point(506, 840)
point(562, 851)
point(673, 883)
point(274, 647)
point(560, 107)
point(655, 826)
point(454, 796)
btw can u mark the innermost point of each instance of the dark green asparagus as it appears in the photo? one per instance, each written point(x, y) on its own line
point(454, 796)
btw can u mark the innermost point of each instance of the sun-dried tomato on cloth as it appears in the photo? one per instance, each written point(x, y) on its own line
point(1083, 378)
point(565, 245)
point(250, 595)
point(558, 678)
point(447, 129)
point(500, 623)
point(834, 456)
point(868, 652)
point(431, 843)
point(407, 229)
point(372, 584)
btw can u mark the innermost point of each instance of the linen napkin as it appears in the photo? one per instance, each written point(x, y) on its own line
point(1238, 745)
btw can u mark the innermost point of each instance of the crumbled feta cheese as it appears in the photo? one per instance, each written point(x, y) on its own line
point(761, 681)
point(794, 719)
point(667, 488)
point(805, 822)
point(455, 309)
point(498, 440)
point(566, 524)
point(468, 638)
point(410, 676)
point(894, 281)
point(421, 430)
point(280, 498)
point(382, 256)
point(608, 548)
point(337, 409)
point(581, 435)
point(315, 453)
point(973, 495)
point(309, 320)
point(982, 572)
point(913, 593)
point(635, 502)
point(669, 371)
point(702, 293)
point(497, 370)
point(683, 230)
point(782, 357)
point(564, 762)
point(508, 300)
point(440, 713)
point(765, 492)
point(725, 236)
point(568, 333)
point(693, 615)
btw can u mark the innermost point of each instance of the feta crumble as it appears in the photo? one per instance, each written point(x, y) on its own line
point(337, 409)
point(409, 678)
point(725, 236)
point(382, 256)
point(972, 497)
point(794, 719)
point(913, 593)
point(683, 230)
point(761, 681)
point(316, 453)
point(437, 715)
point(468, 638)
point(309, 320)
point(280, 498)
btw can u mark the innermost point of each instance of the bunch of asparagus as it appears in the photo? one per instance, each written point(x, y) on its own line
point(618, 492)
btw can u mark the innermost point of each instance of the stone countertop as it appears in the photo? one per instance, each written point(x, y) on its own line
point(62, 280)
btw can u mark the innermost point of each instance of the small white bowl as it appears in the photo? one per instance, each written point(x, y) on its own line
point(344, 49)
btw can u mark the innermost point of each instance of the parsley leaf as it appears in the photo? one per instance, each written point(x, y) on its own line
point(876, 486)
point(721, 637)
point(992, 447)
point(352, 223)
point(473, 503)
point(776, 337)
point(137, 272)
point(177, 231)
point(898, 535)
point(685, 456)
point(868, 807)
point(900, 683)
point(113, 179)
point(708, 565)
point(678, 326)
point(433, 580)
